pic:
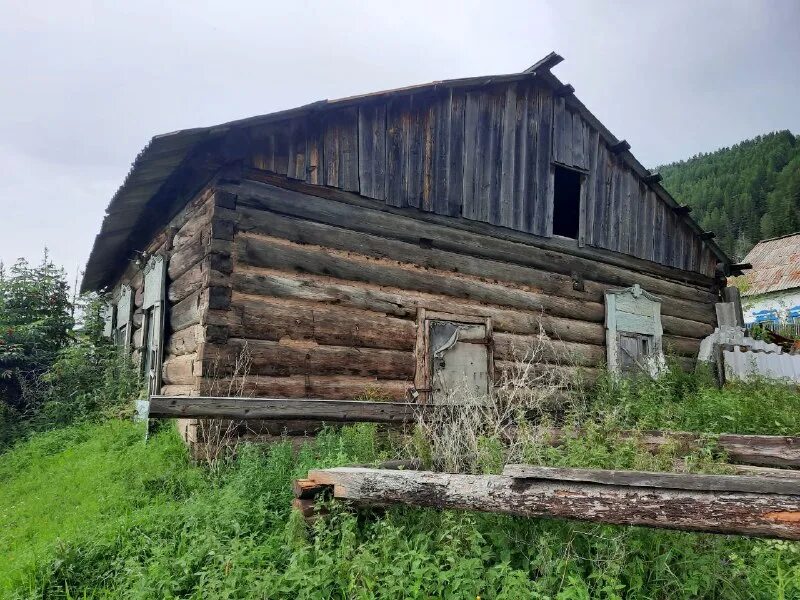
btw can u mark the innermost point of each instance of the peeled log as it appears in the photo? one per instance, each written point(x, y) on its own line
point(761, 514)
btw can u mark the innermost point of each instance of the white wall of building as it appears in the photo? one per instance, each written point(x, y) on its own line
point(782, 302)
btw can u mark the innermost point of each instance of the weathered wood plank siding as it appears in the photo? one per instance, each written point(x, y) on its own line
point(487, 155)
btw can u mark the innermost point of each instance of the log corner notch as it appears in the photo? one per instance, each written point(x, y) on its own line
point(726, 504)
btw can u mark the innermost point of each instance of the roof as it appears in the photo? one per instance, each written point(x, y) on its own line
point(166, 154)
point(775, 265)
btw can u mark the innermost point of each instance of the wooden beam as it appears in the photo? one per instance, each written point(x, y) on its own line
point(565, 90)
point(620, 147)
point(652, 178)
point(545, 64)
point(753, 506)
point(708, 235)
point(759, 450)
point(311, 409)
point(684, 209)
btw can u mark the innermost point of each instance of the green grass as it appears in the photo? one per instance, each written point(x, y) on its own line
point(91, 511)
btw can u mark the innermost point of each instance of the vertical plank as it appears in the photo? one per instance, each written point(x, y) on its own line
point(529, 198)
point(508, 159)
point(577, 155)
point(469, 209)
point(431, 131)
point(413, 132)
point(281, 150)
point(315, 153)
point(372, 150)
point(658, 229)
point(544, 149)
point(455, 155)
point(493, 167)
point(297, 150)
point(588, 192)
point(395, 152)
point(519, 192)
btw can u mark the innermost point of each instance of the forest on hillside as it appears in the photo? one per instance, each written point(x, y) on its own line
point(745, 193)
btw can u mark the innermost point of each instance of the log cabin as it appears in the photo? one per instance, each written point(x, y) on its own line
point(352, 245)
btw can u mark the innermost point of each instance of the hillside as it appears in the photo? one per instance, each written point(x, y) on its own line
point(744, 193)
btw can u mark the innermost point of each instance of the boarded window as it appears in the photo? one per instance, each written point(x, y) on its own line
point(566, 202)
point(634, 332)
point(122, 318)
point(107, 315)
point(459, 361)
point(155, 274)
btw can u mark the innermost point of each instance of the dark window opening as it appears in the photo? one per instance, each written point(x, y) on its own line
point(566, 202)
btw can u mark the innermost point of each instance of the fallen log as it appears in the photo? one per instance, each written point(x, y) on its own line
point(758, 450)
point(729, 504)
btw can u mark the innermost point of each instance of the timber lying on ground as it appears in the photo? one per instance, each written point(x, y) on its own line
point(758, 450)
point(731, 504)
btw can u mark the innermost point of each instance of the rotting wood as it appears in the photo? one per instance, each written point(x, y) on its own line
point(286, 409)
point(342, 238)
point(357, 214)
point(259, 282)
point(758, 450)
point(261, 251)
point(769, 512)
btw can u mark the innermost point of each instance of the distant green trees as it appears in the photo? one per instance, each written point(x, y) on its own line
point(51, 372)
point(744, 193)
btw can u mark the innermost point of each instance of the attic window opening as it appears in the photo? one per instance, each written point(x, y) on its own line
point(566, 202)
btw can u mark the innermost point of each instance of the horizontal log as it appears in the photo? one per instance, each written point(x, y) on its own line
point(179, 390)
point(681, 346)
point(285, 409)
point(262, 251)
point(462, 235)
point(188, 311)
point(333, 387)
point(759, 450)
point(185, 341)
point(531, 278)
point(199, 276)
point(179, 370)
point(290, 358)
point(670, 481)
point(574, 376)
point(510, 347)
point(268, 318)
point(762, 514)
point(405, 303)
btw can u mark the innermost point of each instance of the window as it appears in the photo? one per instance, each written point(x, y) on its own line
point(566, 202)
point(634, 332)
point(155, 273)
point(454, 363)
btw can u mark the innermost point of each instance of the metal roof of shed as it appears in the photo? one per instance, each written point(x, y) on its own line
point(775, 265)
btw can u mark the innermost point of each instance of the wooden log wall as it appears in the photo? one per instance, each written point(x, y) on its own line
point(486, 155)
point(196, 244)
point(324, 293)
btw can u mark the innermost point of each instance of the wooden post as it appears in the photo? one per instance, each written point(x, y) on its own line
point(731, 504)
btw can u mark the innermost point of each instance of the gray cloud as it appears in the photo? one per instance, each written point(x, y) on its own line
point(86, 84)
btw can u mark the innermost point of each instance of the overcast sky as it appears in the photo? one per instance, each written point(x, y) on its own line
point(86, 84)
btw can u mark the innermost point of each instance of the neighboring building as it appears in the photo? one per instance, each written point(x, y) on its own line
point(387, 242)
point(771, 294)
